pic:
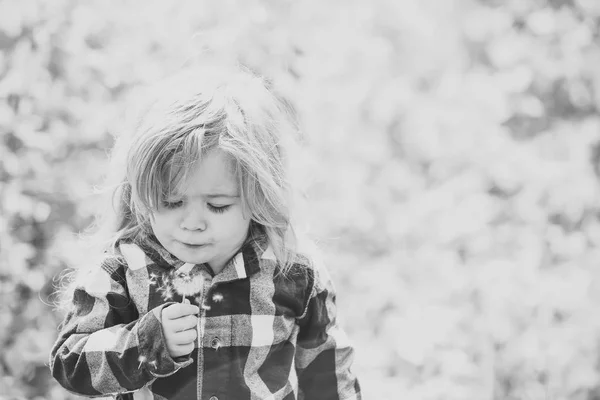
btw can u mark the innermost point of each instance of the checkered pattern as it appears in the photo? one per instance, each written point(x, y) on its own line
point(262, 335)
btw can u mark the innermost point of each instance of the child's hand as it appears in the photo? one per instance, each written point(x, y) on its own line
point(179, 328)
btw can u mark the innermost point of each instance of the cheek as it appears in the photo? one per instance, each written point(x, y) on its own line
point(162, 223)
point(233, 226)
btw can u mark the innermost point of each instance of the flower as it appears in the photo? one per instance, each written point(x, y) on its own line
point(188, 280)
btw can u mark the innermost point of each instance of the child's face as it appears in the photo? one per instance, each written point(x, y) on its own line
point(206, 224)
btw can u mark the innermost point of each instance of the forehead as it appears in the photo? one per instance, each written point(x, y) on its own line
point(213, 174)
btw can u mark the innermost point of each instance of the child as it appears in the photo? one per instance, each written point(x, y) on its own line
point(201, 292)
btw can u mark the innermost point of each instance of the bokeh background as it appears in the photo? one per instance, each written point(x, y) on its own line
point(453, 148)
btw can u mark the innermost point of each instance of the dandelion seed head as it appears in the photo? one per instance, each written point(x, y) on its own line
point(188, 283)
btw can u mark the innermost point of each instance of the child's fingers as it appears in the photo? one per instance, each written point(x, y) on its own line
point(183, 323)
point(186, 337)
point(184, 350)
point(179, 310)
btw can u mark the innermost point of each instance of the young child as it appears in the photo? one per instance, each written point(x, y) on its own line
point(201, 292)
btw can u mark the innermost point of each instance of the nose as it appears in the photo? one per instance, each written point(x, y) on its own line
point(193, 220)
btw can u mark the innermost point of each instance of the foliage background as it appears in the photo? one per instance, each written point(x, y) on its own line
point(454, 151)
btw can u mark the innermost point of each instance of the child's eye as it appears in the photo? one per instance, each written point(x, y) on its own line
point(172, 204)
point(218, 209)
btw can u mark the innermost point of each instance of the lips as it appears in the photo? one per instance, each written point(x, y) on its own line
point(194, 245)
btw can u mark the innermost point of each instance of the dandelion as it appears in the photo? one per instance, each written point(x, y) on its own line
point(188, 280)
point(141, 359)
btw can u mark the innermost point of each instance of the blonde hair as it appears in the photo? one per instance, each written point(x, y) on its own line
point(190, 114)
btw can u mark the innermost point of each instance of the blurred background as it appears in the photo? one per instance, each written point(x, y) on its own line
point(454, 148)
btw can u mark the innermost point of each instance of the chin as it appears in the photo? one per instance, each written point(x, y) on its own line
point(191, 259)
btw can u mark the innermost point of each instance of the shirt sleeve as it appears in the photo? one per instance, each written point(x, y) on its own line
point(104, 347)
point(324, 355)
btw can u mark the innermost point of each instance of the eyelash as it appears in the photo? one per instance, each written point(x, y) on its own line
point(218, 210)
point(171, 205)
point(176, 204)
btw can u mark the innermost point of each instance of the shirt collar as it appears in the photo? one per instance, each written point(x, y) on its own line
point(157, 253)
point(245, 263)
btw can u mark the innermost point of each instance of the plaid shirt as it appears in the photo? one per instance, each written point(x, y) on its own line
point(261, 335)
